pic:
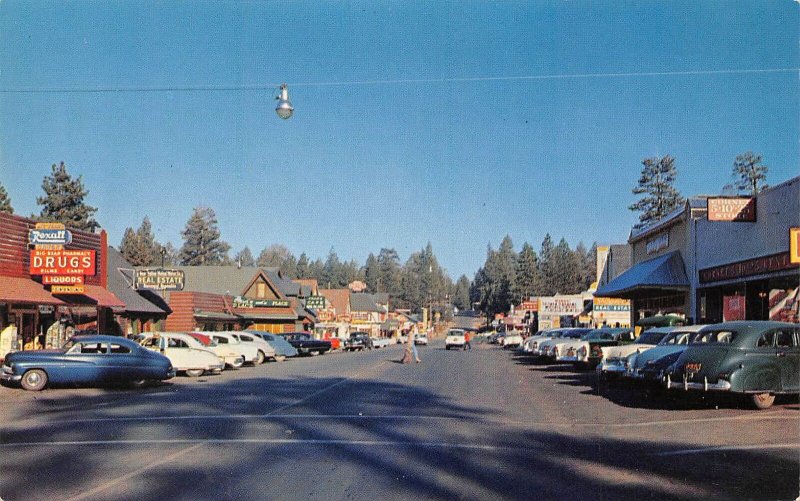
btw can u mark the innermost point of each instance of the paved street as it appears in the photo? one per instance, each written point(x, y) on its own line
point(479, 424)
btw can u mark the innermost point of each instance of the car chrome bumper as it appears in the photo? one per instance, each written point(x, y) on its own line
point(615, 368)
point(4, 376)
point(720, 385)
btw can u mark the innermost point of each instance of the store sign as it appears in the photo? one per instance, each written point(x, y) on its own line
point(733, 308)
point(732, 209)
point(46, 309)
point(560, 306)
point(757, 266)
point(67, 289)
point(529, 306)
point(315, 302)
point(657, 243)
point(794, 245)
point(49, 237)
point(243, 302)
point(159, 280)
point(63, 280)
point(62, 262)
point(604, 304)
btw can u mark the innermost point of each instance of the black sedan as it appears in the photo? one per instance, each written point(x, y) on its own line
point(307, 345)
point(358, 341)
point(86, 360)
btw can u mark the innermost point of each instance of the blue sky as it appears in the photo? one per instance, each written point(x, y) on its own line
point(454, 123)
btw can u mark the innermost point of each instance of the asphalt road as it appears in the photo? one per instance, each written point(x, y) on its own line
point(479, 424)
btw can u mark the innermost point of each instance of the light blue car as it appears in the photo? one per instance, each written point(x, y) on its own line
point(282, 347)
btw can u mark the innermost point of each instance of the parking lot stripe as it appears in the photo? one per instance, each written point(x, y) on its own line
point(726, 448)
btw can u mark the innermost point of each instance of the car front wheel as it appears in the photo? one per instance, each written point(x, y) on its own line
point(260, 358)
point(762, 400)
point(34, 380)
point(194, 372)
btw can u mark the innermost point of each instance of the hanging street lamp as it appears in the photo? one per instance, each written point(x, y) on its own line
point(284, 108)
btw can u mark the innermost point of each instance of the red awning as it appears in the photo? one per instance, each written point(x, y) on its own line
point(25, 290)
point(104, 297)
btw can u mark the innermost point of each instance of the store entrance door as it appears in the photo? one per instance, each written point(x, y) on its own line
point(26, 326)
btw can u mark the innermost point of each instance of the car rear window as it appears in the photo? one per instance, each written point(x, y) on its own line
point(724, 337)
point(650, 338)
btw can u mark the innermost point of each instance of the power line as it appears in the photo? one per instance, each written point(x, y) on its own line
point(264, 87)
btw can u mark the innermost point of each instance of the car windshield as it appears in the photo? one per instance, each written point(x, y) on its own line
point(456, 333)
point(650, 338)
point(723, 337)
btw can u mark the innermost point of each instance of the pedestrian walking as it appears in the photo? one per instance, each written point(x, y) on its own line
point(466, 341)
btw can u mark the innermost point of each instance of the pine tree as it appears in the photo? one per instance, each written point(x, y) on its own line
point(388, 272)
point(244, 258)
point(5, 201)
point(303, 267)
point(202, 245)
point(566, 269)
point(749, 174)
point(657, 182)
point(63, 200)
point(127, 247)
point(276, 256)
point(148, 248)
point(527, 274)
point(461, 296)
point(546, 271)
point(371, 273)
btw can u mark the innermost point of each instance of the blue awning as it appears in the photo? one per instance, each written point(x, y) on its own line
point(649, 277)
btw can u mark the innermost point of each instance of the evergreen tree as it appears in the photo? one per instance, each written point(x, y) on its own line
point(546, 270)
point(388, 279)
point(127, 247)
point(371, 273)
point(461, 293)
point(275, 256)
point(749, 174)
point(169, 255)
point(140, 248)
point(5, 201)
point(303, 267)
point(63, 200)
point(657, 182)
point(244, 258)
point(332, 272)
point(202, 245)
point(588, 264)
point(288, 267)
point(527, 274)
point(566, 269)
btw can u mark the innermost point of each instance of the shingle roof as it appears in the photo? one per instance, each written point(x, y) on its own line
point(364, 302)
point(339, 298)
point(120, 280)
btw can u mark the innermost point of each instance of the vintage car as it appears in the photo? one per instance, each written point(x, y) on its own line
point(650, 365)
point(380, 342)
point(551, 348)
point(757, 359)
point(587, 351)
point(232, 358)
point(358, 341)
point(86, 360)
point(512, 339)
point(536, 345)
point(186, 353)
point(533, 341)
point(228, 339)
point(614, 358)
point(421, 339)
point(282, 347)
point(306, 344)
point(455, 339)
point(265, 350)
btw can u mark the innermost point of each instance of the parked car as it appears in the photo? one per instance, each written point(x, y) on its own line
point(265, 350)
point(613, 358)
point(455, 339)
point(551, 348)
point(536, 345)
point(421, 339)
point(533, 341)
point(186, 353)
point(587, 351)
point(402, 339)
point(232, 358)
point(227, 338)
point(281, 346)
point(512, 339)
point(94, 359)
point(757, 359)
point(650, 365)
point(358, 341)
point(380, 342)
point(307, 345)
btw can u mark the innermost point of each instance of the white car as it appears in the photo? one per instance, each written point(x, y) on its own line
point(402, 339)
point(455, 339)
point(248, 351)
point(380, 342)
point(534, 342)
point(615, 357)
point(553, 347)
point(512, 339)
point(231, 357)
point(186, 354)
point(265, 350)
point(587, 350)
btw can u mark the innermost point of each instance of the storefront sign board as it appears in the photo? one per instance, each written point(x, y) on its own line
point(62, 262)
point(316, 302)
point(530, 305)
point(49, 237)
point(159, 280)
point(794, 245)
point(733, 308)
point(67, 289)
point(732, 209)
point(611, 304)
point(756, 266)
point(660, 241)
point(560, 305)
point(63, 280)
point(243, 302)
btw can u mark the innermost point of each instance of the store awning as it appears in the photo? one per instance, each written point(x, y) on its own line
point(215, 315)
point(255, 317)
point(25, 290)
point(103, 296)
point(649, 277)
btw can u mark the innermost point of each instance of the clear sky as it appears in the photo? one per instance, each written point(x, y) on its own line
point(454, 123)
